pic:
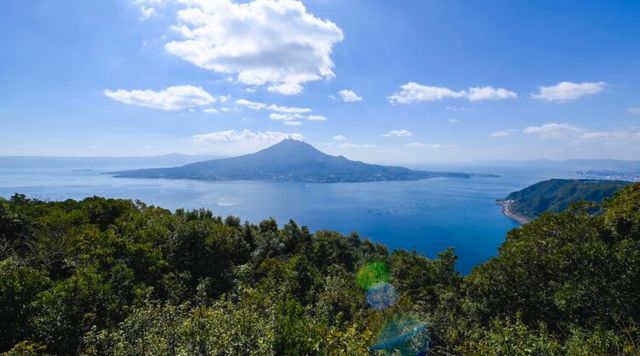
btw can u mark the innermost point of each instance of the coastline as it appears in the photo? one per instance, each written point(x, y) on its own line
point(507, 210)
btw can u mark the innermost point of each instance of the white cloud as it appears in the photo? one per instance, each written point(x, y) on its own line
point(504, 133)
point(578, 135)
point(611, 137)
point(339, 137)
point(147, 12)
point(171, 98)
point(282, 113)
point(349, 96)
point(211, 110)
point(281, 117)
point(244, 136)
point(147, 7)
point(459, 108)
point(564, 91)
point(288, 109)
point(454, 121)
point(277, 108)
point(316, 118)
point(428, 145)
point(490, 93)
point(292, 123)
point(292, 117)
point(635, 111)
point(251, 104)
point(553, 130)
point(263, 42)
point(414, 92)
point(398, 133)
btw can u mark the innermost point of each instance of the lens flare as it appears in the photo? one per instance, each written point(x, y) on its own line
point(406, 335)
point(381, 296)
point(372, 273)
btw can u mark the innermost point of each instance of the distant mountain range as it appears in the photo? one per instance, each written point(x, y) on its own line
point(570, 164)
point(556, 195)
point(100, 162)
point(289, 160)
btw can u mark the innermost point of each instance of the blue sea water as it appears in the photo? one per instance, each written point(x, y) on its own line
point(427, 215)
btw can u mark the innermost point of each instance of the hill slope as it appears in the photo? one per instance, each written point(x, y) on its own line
point(289, 160)
point(556, 195)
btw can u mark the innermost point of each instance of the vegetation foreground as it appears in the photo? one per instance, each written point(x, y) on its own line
point(115, 277)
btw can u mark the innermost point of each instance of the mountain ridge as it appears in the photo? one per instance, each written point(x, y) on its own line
point(557, 195)
point(288, 160)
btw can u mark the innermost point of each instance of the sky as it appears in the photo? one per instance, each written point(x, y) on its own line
point(375, 80)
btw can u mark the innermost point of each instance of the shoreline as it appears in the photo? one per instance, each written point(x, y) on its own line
point(507, 210)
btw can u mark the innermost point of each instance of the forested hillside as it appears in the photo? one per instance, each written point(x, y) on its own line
point(558, 194)
point(103, 276)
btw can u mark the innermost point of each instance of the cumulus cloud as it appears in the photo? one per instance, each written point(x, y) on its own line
point(553, 130)
point(489, 93)
point(294, 117)
point(292, 123)
point(148, 7)
point(504, 133)
point(251, 104)
point(278, 44)
point(349, 96)
point(288, 109)
point(282, 113)
point(147, 12)
point(245, 135)
point(398, 133)
point(565, 91)
point(281, 117)
point(272, 107)
point(171, 98)
point(339, 137)
point(316, 118)
point(578, 135)
point(413, 92)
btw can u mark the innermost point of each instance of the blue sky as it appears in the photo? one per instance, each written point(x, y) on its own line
point(382, 81)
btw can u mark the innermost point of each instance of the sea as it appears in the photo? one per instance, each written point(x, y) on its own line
point(427, 216)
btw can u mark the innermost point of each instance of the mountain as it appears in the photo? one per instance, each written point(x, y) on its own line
point(289, 160)
point(556, 195)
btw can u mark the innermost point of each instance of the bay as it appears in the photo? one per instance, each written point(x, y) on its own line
point(427, 216)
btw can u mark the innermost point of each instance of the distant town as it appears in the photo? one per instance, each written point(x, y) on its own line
point(608, 174)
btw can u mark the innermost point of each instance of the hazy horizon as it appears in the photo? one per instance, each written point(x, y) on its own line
point(372, 160)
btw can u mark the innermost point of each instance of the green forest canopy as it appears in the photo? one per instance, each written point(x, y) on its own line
point(559, 194)
point(104, 276)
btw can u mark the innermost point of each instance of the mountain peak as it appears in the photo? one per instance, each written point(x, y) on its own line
point(290, 142)
point(288, 160)
point(291, 149)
